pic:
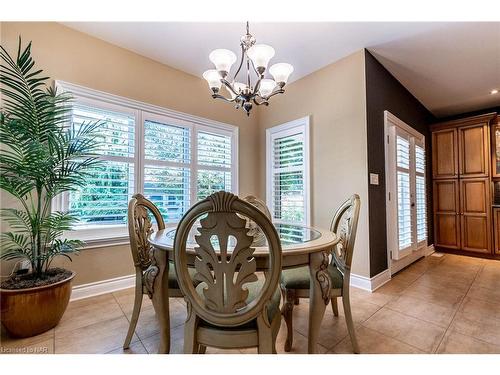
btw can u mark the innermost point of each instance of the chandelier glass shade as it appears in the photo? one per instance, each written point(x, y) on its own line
point(254, 89)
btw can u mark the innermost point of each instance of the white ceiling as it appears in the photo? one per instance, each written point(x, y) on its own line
point(449, 67)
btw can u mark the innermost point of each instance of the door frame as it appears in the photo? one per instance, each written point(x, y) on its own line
point(391, 218)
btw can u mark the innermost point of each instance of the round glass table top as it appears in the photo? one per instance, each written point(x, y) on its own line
point(290, 234)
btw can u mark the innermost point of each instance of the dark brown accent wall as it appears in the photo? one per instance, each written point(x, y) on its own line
point(384, 92)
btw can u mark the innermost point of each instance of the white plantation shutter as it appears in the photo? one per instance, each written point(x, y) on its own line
point(420, 193)
point(167, 175)
point(214, 157)
point(287, 181)
point(172, 158)
point(104, 200)
point(404, 193)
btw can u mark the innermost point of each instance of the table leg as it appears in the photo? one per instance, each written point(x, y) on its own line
point(319, 296)
point(160, 299)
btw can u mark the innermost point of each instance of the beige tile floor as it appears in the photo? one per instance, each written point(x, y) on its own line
point(448, 304)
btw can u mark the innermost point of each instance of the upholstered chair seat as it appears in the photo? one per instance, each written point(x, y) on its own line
point(298, 278)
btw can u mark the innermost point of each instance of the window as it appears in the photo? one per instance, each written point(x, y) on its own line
point(172, 158)
point(287, 181)
point(406, 187)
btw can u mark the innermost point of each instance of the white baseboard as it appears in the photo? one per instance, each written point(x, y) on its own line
point(370, 283)
point(102, 287)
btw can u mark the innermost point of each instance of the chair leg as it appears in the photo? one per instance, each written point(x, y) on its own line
point(202, 349)
point(335, 307)
point(134, 318)
point(265, 333)
point(349, 322)
point(297, 301)
point(191, 345)
point(287, 312)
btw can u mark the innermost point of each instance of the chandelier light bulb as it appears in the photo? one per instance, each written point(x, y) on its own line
point(223, 59)
point(213, 78)
point(260, 54)
point(266, 87)
point(281, 72)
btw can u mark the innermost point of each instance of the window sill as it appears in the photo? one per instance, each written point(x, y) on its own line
point(96, 237)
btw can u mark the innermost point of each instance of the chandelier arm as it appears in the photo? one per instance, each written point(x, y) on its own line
point(255, 70)
point(248, 73)
point(241, 62)
point(264, 101)
point(257, 85)
point(218, 96)
point(229, 86)
point(280, 91)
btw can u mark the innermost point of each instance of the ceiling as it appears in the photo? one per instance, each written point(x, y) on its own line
point(449, 67)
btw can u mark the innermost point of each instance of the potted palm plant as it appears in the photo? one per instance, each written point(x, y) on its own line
point(42, 155)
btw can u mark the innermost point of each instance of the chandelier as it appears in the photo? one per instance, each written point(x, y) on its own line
point(256, 57)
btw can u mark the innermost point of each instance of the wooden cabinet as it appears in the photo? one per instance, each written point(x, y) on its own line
point(473, 152)
point(446, 214)
point(444, 154)
point(475, 214)
point(461, 165)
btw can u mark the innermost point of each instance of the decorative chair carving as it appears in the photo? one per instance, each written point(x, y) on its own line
point(254, 229)
point(140, 228)
point(231, 307)
point(295, 282)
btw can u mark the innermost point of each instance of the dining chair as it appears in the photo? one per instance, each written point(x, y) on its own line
point(231, 308)
point(295, 282)
point(259, 203)
point(139, 229)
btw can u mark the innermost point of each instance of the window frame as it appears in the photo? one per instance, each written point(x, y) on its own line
point(278, 131)
point(104, 235)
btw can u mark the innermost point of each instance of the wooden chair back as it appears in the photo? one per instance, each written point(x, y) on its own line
point(140, 227)
point(224, 273)
point(344, 225)
point(259, 203)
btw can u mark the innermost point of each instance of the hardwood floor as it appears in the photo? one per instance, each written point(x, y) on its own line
point(448, 304)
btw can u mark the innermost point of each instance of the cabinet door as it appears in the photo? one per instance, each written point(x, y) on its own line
point(473, 151)
point(446, 214)
point(444, 154)
point(496, 223)
point(475, 215)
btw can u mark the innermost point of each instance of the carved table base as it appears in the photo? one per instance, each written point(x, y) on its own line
point(319, 295)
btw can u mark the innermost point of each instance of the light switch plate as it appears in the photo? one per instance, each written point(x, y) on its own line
point(373, 178)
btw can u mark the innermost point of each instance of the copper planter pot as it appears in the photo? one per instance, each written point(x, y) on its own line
point(29, 312)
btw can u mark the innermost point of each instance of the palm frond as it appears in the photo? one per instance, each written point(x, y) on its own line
point(42, 155)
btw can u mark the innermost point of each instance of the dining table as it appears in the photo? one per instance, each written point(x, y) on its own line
point(301, 246)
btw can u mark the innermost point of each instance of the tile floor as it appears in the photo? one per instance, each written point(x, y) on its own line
point(448, 304)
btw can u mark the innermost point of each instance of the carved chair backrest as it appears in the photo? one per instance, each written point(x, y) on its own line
point(253, 229)
point(140, 227)
point(259, 203)
point(344, 225)
point(224, 260)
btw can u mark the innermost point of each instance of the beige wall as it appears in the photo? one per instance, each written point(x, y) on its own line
point(335, 99)
point(69, 55)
